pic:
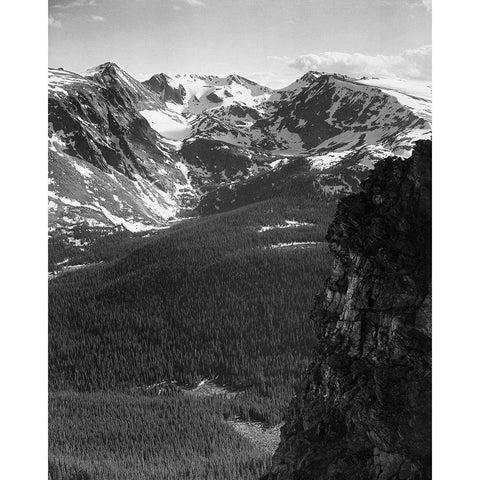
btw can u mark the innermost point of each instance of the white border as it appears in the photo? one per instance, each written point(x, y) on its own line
point(456, 188)
point(23, 351)
point(23, 220)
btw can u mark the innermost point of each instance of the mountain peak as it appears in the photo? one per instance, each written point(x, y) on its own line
point(237, 79)
point(123, 86)
point(311, 75)
point(314, 75)
point(158, 76)
point(107, 67)
point(234, 77)
point(168, 89)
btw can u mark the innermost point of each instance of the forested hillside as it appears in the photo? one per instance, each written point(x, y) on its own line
point(224, 297)
point(116, 436)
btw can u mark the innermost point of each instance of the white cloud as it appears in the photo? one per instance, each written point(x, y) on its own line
point(54, 23)
point(414, 63)
point(76, 3)
point(97, 18)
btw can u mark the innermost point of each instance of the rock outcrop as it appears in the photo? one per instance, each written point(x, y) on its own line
point(160, 83)
point(365, 409)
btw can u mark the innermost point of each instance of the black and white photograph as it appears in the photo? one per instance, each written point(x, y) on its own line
point(239, 240)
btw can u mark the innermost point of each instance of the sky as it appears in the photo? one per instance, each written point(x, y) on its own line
point(270, 41)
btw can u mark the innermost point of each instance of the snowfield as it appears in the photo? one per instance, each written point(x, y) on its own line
point(416, 95)
point(415, 88)
point(169, 124)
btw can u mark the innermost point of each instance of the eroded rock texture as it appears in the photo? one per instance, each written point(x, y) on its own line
point(365, 409)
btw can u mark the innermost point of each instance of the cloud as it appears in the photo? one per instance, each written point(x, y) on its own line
point(427, 4)
point(76, 3)
point(97, 18)
point(177, 4)
point(54, 23)
point(415, 63)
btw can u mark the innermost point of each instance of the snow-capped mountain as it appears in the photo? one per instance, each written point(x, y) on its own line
point(189, 96)
point(107, 166)
point(124, 152)
point(319, 113)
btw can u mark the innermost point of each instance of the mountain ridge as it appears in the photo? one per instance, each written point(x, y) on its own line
point(132, 137)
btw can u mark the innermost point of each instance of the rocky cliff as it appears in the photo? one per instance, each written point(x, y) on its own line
point(364, 411)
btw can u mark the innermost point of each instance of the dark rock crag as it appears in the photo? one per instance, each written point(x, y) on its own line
point(365, 409)
point(160, 84)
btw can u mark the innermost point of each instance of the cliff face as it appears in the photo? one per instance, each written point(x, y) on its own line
point(365, 409)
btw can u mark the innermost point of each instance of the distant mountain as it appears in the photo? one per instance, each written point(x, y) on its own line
point(136, 154)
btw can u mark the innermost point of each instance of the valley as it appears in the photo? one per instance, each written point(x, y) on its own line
point(208, 298)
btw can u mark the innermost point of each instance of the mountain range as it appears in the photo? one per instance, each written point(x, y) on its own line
point(140, 154)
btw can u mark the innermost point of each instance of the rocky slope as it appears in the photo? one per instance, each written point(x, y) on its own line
point(107, 166)
point(317, 113)
point(364, 411)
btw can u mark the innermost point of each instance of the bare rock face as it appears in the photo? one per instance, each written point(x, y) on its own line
point(160, 84)
point(365, 409)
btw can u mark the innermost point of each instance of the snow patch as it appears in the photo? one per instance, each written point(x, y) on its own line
point(85, 172)
point(266, 439)
point(170, 125)
point(328, 160)
point(295, 245)
point(289, 224)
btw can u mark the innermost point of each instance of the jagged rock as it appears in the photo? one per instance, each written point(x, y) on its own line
point(160, 84)
point(214, 98)
point(364, 411)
